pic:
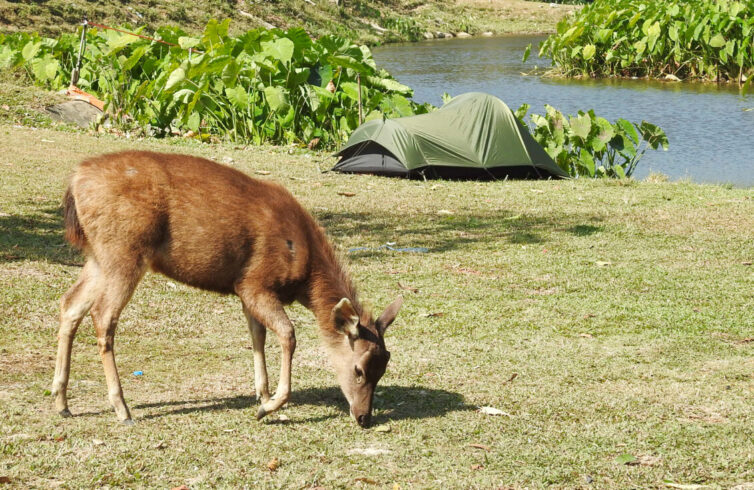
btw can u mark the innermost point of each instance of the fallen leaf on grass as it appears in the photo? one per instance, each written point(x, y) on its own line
point(98, 442)
point(493, 411)
point(408, 288)
point(477, 467)
point(427, 315)
point(262, 172)
point(746, 340)
point(382, 428)
point(586, 335)
point(626, 459)
point(283, 418)
point(5, 479)
point(513, 376)
point(346, 194)
point(273, 464)
point(364, 479)
point(748, 262)
point(480, 446)
point(160, 445)
point(538, 191)
point(602, 263)
point(182, 487)
point(445, 212)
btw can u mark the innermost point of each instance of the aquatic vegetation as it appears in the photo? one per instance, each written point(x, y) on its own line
point(278, 87)
point(700, 39)
point(262, 86)
point(591, 146)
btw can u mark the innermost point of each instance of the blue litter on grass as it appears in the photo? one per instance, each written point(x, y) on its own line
point(389, 246)
point(138, 373)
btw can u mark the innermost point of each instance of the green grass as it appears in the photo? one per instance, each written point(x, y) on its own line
point(624, 308)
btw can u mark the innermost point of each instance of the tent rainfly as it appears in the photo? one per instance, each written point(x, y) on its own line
point(474, 136)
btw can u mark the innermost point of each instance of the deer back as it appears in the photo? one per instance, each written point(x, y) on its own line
point(196, 221)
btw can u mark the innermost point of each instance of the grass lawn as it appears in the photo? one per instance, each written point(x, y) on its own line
point(611, 322)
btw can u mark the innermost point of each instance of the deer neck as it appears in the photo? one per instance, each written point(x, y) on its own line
point(329, 284)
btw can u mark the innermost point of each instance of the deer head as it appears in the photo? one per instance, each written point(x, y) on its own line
point(363, 356)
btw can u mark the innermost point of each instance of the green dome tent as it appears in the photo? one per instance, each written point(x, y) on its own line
point(475, 135)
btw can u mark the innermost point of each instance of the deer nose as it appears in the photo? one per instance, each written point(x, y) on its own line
point(363, 420)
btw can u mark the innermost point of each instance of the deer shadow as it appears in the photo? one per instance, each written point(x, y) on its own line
point(391, 403)
point(437, 234)
point(35, 236)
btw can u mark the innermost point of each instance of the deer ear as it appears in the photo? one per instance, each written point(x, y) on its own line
point(345, 318)
point(389, 315)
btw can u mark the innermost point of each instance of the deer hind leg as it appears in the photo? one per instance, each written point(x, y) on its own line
point(258, 336)
point(117, 289)
point(268, 311)
point(74, 305)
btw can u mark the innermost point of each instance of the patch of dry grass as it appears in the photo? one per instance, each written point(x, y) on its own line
point(624, 310)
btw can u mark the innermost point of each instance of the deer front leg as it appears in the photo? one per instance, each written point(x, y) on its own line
point(267, 310)
point(258, 336)
point(283, 328)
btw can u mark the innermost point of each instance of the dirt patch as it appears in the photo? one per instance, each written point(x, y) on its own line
point(520, 9)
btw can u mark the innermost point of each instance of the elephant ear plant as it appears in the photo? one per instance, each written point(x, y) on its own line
point(262, 86)
point(590, 146)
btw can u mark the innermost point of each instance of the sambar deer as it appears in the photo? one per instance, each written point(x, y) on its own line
point(214, 228)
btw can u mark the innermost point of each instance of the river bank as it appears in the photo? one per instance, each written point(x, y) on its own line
point(374, 23)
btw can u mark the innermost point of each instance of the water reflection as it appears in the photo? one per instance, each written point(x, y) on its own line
point(711, 132)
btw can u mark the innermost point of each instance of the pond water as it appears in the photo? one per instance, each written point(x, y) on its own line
point(710, 128)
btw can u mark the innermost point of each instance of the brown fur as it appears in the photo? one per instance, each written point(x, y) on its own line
point(212, 227)
point(73, 232)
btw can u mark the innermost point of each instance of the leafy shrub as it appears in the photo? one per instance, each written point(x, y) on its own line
point(699, 39)
point(263, 86)
point(591, 146)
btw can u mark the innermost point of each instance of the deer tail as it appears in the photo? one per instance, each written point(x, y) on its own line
point(74, 234)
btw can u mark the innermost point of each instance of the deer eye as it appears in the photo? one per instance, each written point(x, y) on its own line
point(359, 374)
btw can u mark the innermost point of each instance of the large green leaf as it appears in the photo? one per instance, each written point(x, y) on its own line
point(237, 96)
point(45, 68)
point(389, 85)
point(6, 56)
point(586, 162)
point(277, 98)
point(188, 42)
point(176, 77)
point(135, 57)
point(581, 125)
point(629, 129)
point(30, 50)
point(588, 52)
point(280, 49)
point(717, 41)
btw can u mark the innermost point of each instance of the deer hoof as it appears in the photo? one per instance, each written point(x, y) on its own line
point(65, 413)
point(261, 413)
